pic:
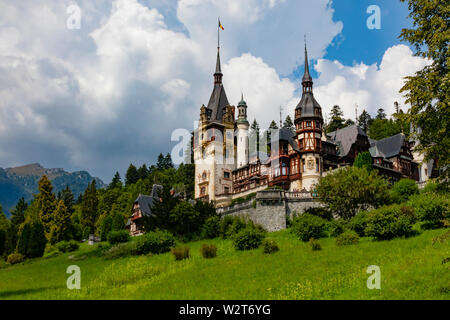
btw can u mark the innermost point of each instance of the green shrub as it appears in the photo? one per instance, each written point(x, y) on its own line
point(248, 239)
point(120, 236)
point(270, 246)
point(225, 224)
point(67, 246)
point(390, 222)
point(315, 244)
point(237, 225)
point(181, 253)
point(435, 187)
point(211, 228)
point(51, 251)
point(431, 209)
point(15, 258)
point(321, 212)
point(208, 251)
point(155, 242)
point(403, 189)
point(308, 226)
point(119, 251)
point(359, 223)
point(347, 238)
point(337, 227)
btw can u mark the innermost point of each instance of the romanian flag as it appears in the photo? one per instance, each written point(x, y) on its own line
point(221, 26)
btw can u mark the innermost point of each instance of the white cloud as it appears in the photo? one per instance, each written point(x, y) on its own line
point(370, 87)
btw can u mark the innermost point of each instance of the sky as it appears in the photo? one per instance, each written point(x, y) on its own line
point(111, 91)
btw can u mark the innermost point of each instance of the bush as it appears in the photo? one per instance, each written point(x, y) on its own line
point(14, 258)
point(51, 251)
point(321, 212)
point(431, 209)
point(403, 189)
point(121, 236)
point(248, 239)
point(225, 224)
point(270, 246)
point(181, 253)
point(347, 238)
point(155, 242)
point(308, 226)
point(359, 223)
point(67, 246)
point(209, 251)
point(237, 225)
point(315, 244)
point(119, 251)
point(337, 227)
point(390, 222)
point(211, 227)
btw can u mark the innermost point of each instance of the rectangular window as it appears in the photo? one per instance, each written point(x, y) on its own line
point(226, 175)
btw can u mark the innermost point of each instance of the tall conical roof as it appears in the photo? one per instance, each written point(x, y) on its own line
point(306, 77)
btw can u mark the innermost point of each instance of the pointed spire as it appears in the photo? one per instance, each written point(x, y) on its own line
point(218, 74)
point(307, 81)
point(306, 76)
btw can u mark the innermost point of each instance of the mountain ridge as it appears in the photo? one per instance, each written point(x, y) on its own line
point(22, 181)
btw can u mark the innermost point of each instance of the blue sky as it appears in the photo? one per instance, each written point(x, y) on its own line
point(113, 91)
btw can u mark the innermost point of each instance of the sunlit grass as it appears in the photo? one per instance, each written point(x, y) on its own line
point(410, 269)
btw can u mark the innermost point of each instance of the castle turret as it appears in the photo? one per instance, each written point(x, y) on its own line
point(308, 124)
point(242, 134)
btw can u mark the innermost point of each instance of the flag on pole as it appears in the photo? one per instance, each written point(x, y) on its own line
point(220, 26)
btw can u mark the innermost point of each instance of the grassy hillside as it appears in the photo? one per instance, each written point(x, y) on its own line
point(410, 269)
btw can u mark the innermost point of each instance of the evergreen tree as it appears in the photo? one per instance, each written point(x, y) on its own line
point(89, 207)
point(162, 206)
point(61, 228)
point(116, 182)
point(364, 120)
point(381, 115)
point(349, 122)
point(363, 160)
point(46, 203)
point(143, 172)
point(160, 164)
point(428, 90)
point(383, 128)
point(131, 176)
point(289, 124)
point(336, 119)
point(168, 164)
point(17, 218)
point(4, 226)
point(32, 239)
point(67, 197)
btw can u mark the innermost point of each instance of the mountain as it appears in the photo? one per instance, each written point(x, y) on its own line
point(23, 182)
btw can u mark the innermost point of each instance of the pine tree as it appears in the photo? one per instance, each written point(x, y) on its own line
point(116, 182)
point(364, 120)
point(168, 162)
point(288, 124)
point(381, 115)
point(61, 227)
point(160, 164)
point(46, 203)
point(143, 172)
point(337, 120)
point(162, 206)
point(32, 239)
point(66, 195)
point(89, 207)
point(17, 218)
point(132, 175)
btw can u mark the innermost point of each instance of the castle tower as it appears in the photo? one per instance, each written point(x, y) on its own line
point(308, 124)
point(214, 145)
point(242, 134)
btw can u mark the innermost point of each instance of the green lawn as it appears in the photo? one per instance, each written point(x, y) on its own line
point(410, 269)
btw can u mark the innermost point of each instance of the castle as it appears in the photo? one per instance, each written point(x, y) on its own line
point(231, 164)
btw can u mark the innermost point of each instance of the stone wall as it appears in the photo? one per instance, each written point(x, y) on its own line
point(271, 208)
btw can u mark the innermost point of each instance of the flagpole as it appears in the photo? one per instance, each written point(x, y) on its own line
point(218, 32)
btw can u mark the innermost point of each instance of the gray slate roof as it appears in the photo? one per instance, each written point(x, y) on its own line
point(387, 148)
point(146, 202)
point(307, 104)
point(218, 102)
point(345, 138)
